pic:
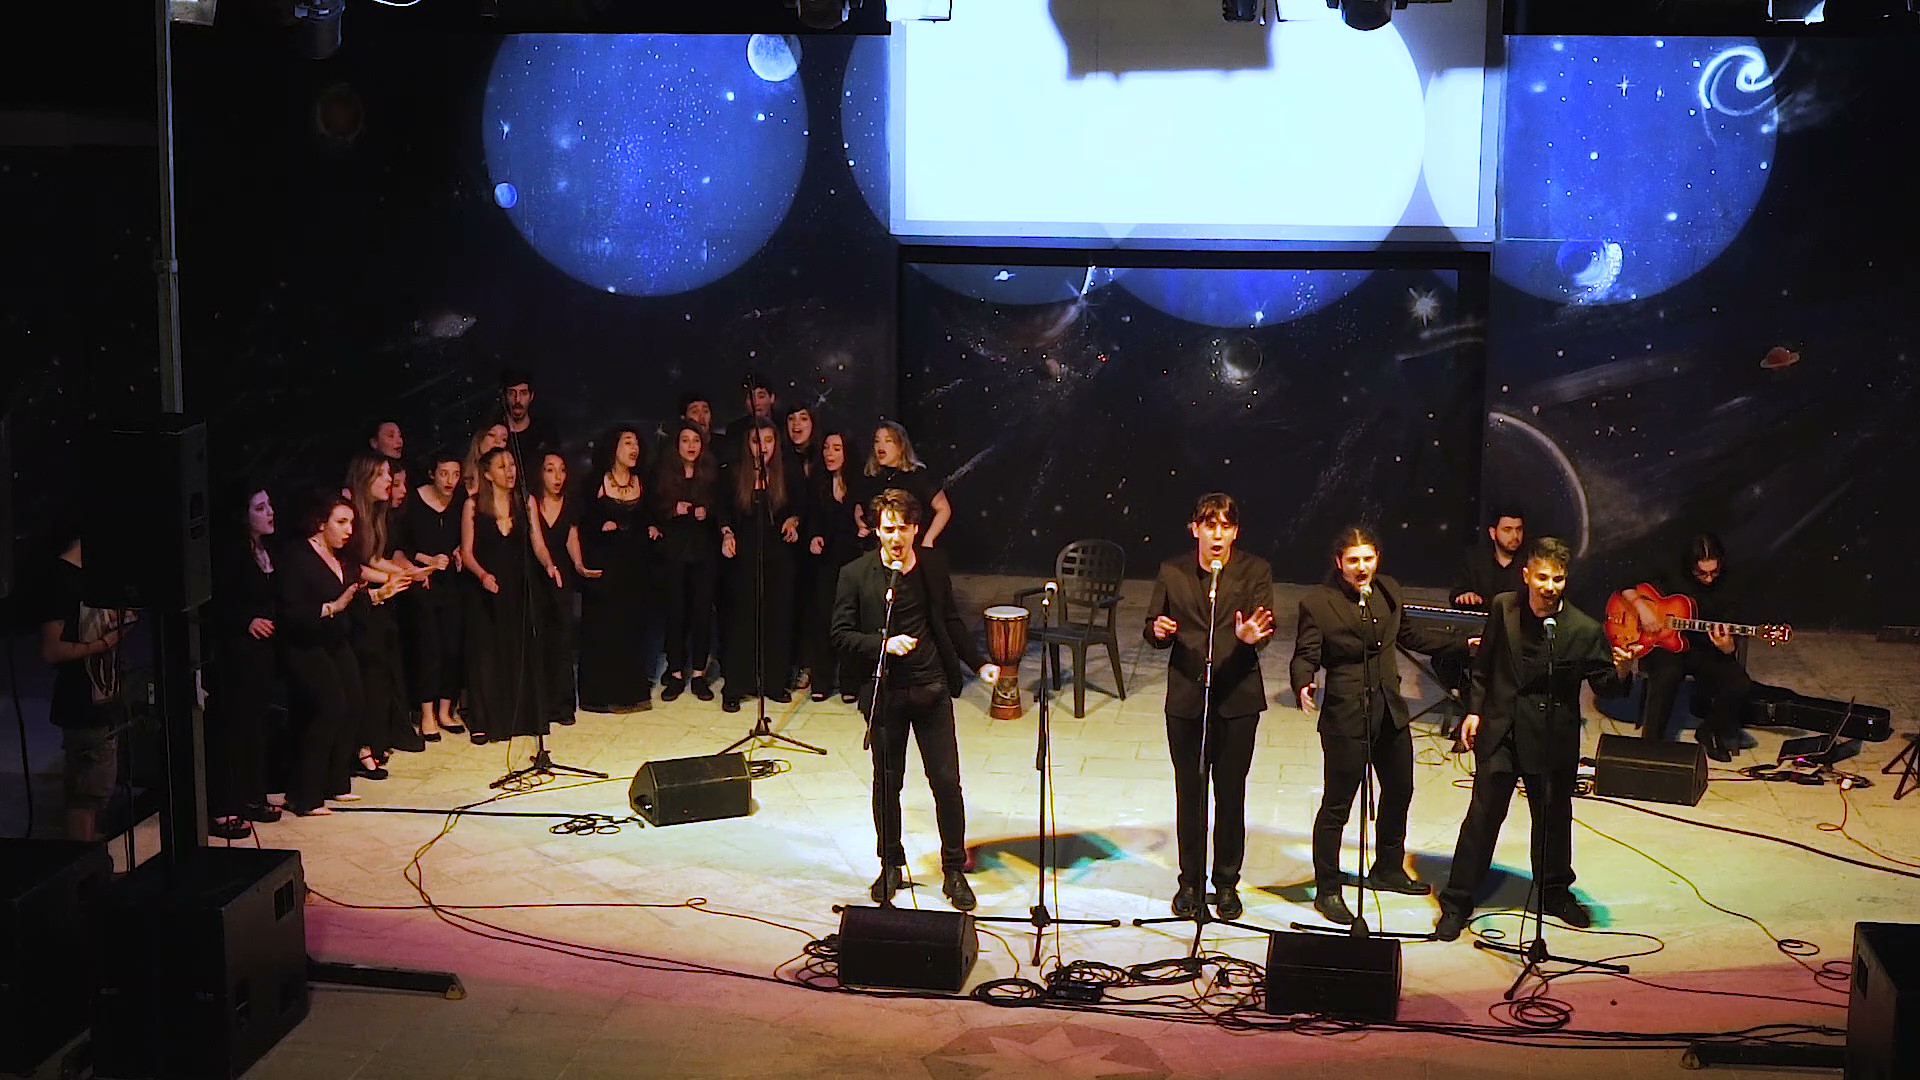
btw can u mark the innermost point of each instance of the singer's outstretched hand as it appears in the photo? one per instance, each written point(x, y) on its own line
point(1255, 628)
point(1164, 627)
point(901, 644)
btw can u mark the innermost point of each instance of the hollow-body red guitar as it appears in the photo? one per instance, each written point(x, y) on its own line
point(1642, 619)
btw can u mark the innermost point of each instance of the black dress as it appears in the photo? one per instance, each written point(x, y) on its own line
point(386, 721)
point(757, 641)
point(689, 553)
point(242, 682)
point(431, 612)
point(323, 678)
point(554, 613)
point(616, 666)
point(921, 483)
point(503, 672)
point(832, 521)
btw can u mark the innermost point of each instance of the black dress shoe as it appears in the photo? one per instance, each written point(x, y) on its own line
point(700, 687)
point(1562, 906)
point(885, 885)
point(261, 812)
point(1186, 902)
point(849, 699)
point(360, 770)
point(731, 704)
point(1389, 878)
point(431, 736)
point(1332, 907)
point(1714, 747)
point(957, 891)
point(1226, 902)
point(781, 696)
point(819, 695)
point(454, 729)
point(672, 687)
point(1451, 923)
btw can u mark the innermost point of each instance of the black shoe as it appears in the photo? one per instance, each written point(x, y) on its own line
point(1332, 907)
point(1562, 906)
point(1715, 749)
point(1226, 902)
point(958, 892)
point(454, 729)
point(360, 770)
point(1451, 923)
point(672, 687)
point(431, 736)
point(261, 812)
point(781, 696)
point(885, 885)
point(701, 688)
point(819, 695)
point(849, 699)
point(478, 739)
point(731, 704)
point(1387, 877)
point(229, 828)
point(1186, 902)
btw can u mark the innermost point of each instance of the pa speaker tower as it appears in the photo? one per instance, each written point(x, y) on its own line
point(147, 545)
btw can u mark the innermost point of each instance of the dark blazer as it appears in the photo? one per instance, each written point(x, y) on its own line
point(1331, 634)
point(1180, 591)
point(1580, 653)
point(860, 610)
point(1480, 574)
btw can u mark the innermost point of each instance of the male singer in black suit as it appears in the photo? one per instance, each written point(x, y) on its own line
point(1523, 720)
point(1350, 626)
point(929, 652)
point(1230, 594)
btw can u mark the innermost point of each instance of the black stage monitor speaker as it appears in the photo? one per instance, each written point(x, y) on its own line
point(1883, 1013)
point(680, 790)
point(906, 949)
point(1333, 975)
point(203, 964)
point(1627, 767)
point(148, 546)
point(46, 984)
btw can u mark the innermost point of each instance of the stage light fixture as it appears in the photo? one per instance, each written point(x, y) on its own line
point(823, 14)
point(1367, 14)
point(1239, 10)
point(316, 26)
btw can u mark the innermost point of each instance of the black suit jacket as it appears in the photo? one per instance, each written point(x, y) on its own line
point(1358, 653)
point(1480, 574)
point(1180, 591)
point(1580, 652)
point(860, 610)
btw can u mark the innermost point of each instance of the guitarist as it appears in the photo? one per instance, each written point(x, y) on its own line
point(1708, 658)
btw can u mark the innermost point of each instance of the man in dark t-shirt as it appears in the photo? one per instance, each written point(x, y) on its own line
point(82, 645)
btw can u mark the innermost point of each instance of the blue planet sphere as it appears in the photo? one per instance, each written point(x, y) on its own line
point(645, 165)
point(774, 57)
point(863, 124)
point(505, 195)
point(1629, 164)
point(1240, 298)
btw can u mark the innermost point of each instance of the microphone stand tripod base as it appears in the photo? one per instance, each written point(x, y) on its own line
point(544, 765)
point(763, 733)
point(1535, 953)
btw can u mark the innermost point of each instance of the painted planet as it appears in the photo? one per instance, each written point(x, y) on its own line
point(505, 195)
point(646, 164)
point(1779, 357)
point(1240, 299)
point(774, 57)
point(1629, 164)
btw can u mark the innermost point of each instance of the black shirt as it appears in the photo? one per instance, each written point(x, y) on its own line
point(921, 483)
point(920, 667)
point(1481, 573)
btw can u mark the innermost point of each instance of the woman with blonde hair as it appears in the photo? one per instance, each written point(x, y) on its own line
point(385, 723)
point(891, 463)
point(508, 556)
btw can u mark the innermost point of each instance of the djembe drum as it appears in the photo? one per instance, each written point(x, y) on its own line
point(1006, 643)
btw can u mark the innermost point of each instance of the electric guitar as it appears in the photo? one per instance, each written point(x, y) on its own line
point(1641, 620)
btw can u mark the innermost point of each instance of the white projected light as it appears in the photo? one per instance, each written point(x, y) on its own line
point(1143, 122)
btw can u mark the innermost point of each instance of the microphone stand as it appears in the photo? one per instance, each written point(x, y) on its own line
point(1203, 915)
point(762, 731)
point(1048, 842)
point(1371, 647)
point(542, 763)
point(1535, 951)
point(876, 738)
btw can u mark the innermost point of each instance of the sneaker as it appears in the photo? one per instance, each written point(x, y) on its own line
point(885, 885)
point(1562, 906)
point(1186, 902)
point(1226, 902)
point(1332, 907)
point(958, 892)
point(1452, 923)
point(1388, 877)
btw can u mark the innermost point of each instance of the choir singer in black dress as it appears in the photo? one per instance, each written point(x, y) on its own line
point(1217, 602)
point(929, 652)
point(1523, 720)
point(1350, 626)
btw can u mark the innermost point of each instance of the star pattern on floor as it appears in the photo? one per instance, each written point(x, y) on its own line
point(1058, 1051)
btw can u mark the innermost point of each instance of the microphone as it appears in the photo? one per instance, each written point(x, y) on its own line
point(1052, 588)
point(894, 570)
point(1551, 624)
point(1213, 589)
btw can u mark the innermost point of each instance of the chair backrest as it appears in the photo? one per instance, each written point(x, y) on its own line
point(1089, 573)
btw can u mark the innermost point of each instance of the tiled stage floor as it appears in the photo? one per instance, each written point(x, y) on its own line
point(770, 882)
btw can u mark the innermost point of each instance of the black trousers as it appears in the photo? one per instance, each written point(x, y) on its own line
point(687, 591)
point(323, 687)
point(239, 705)
point(1716, 676)
point(1549, 800)
point(1229, 754)
point(1344, 762)
point(927, 713)
point(433, 624)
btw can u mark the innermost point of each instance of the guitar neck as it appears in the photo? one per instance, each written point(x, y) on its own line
point(1702, 626)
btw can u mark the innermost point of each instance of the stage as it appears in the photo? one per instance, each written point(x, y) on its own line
point(769, 883)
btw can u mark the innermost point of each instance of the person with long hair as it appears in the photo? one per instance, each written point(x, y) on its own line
point(492, 437)
point(508, 557)
point(834, 538)
point(385, 721)
point(892, 463)
point(1350, 626)
point(317, 586)
point(616, 609)
point(684, 503)
point(759, 534)
point(244, 671)
point(557, 517)
point(428, 533)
